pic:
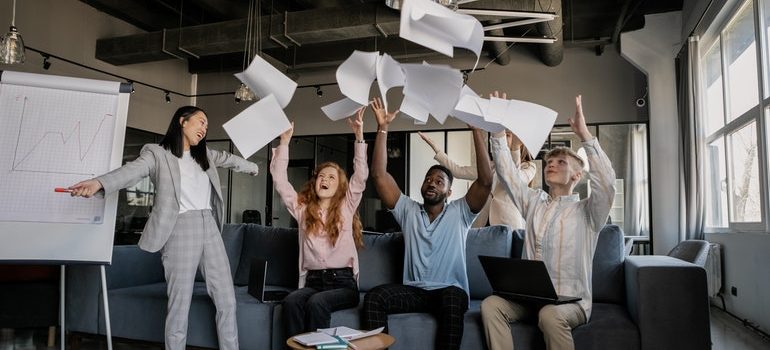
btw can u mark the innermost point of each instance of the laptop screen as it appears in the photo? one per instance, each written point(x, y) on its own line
point(257, 276)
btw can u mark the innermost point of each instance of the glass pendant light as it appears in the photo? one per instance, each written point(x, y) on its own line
point(11, 44)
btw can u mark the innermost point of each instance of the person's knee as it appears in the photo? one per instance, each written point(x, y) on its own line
point(455, 297)
point(316, 304)
point(490, 306)
point(549, 318)
point(374, 299)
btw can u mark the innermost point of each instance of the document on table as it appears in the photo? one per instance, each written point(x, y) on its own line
point(257, 125)
point(264, 79)
point(350, 333)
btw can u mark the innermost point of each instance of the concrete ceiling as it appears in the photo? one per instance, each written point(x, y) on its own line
point(210, 34)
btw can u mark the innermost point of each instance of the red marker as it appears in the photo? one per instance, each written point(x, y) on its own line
point(62, 190)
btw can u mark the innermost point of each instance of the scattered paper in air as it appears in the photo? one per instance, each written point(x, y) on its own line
point(356, 74)
point(264, 79)
point(438, 28)
point(436, 88)
point(469, 110)
point(341, 109)
point(389, 75)
point(257, 125)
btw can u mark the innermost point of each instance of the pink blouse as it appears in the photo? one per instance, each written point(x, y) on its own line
point(315, 251)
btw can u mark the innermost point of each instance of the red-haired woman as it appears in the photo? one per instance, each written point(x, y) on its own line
point(329, 234)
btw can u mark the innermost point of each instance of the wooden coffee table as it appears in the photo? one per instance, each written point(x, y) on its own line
point(376, 342)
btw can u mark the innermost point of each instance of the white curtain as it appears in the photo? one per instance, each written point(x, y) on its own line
point(691, 178)
point(638, 182)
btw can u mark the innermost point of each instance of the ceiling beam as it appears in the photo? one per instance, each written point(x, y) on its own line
point(283, 30)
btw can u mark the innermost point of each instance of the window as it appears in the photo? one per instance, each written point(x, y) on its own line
point(729, 73)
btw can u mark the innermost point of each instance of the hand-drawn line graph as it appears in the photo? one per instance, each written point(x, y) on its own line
point(54, 138)
point(65, 139)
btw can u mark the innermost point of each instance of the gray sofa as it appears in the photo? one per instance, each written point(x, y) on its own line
point(648, 302)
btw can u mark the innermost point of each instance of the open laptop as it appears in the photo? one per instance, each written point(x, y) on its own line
point(257, 279)
point(524, 280)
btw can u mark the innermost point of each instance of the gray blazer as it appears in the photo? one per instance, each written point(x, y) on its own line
point(163, 169)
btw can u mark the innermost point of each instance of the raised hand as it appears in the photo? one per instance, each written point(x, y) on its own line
point(85, 188)
point(578, 121)
point(357, 123)
point(383, 117)
point(286, 135)
point(497, 94)
point(429, 141)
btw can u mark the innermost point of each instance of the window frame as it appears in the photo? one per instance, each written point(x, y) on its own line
point(757, 114)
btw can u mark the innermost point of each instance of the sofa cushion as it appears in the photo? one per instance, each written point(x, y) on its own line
point(132, 266)
point(279, 246)
point(492, 240)
point(381, 260)
point(610, 327)
point(608, 274)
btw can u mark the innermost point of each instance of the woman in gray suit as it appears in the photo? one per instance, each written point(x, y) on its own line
point(186, 220)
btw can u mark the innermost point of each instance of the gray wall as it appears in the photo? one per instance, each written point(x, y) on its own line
point(69, 29)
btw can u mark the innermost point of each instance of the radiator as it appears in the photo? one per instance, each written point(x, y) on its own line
point(714, 269)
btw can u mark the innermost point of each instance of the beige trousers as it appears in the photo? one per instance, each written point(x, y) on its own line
point(555, 321)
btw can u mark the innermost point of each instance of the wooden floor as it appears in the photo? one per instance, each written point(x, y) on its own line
point(727, 333)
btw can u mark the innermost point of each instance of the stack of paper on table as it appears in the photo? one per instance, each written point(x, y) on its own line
point(350, 333)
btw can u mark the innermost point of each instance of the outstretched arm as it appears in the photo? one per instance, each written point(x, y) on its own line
point(384, 183)
point(479, 190)
point(602, 175)
point(458, 171)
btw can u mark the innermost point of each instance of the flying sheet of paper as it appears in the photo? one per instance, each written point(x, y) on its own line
point(469, 110)
point(438, 28)
point(341, 109)
point(529, 121)
point(257, 125)
point(356, 74)
point(414, 108)
point(437, 88)
point(264, 79)
point(389, 75)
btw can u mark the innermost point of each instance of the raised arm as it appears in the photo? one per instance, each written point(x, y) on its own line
point(357, 182)
point(601, 175)
point(384, 183)
point(477, 194)
point(278, 169)
point(458, 171)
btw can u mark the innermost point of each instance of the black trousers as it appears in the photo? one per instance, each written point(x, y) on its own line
point(448, 305)
point(325, 291)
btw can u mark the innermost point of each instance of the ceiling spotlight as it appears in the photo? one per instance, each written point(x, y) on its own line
point(46, 63)
point(131, 82)
point(244, 94)
point(168, 97)
point(318, 91)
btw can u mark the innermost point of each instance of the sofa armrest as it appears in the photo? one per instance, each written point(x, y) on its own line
point(132, 266)
point(667, 298)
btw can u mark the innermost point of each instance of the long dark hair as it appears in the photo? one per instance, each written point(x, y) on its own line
point(172, 141)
